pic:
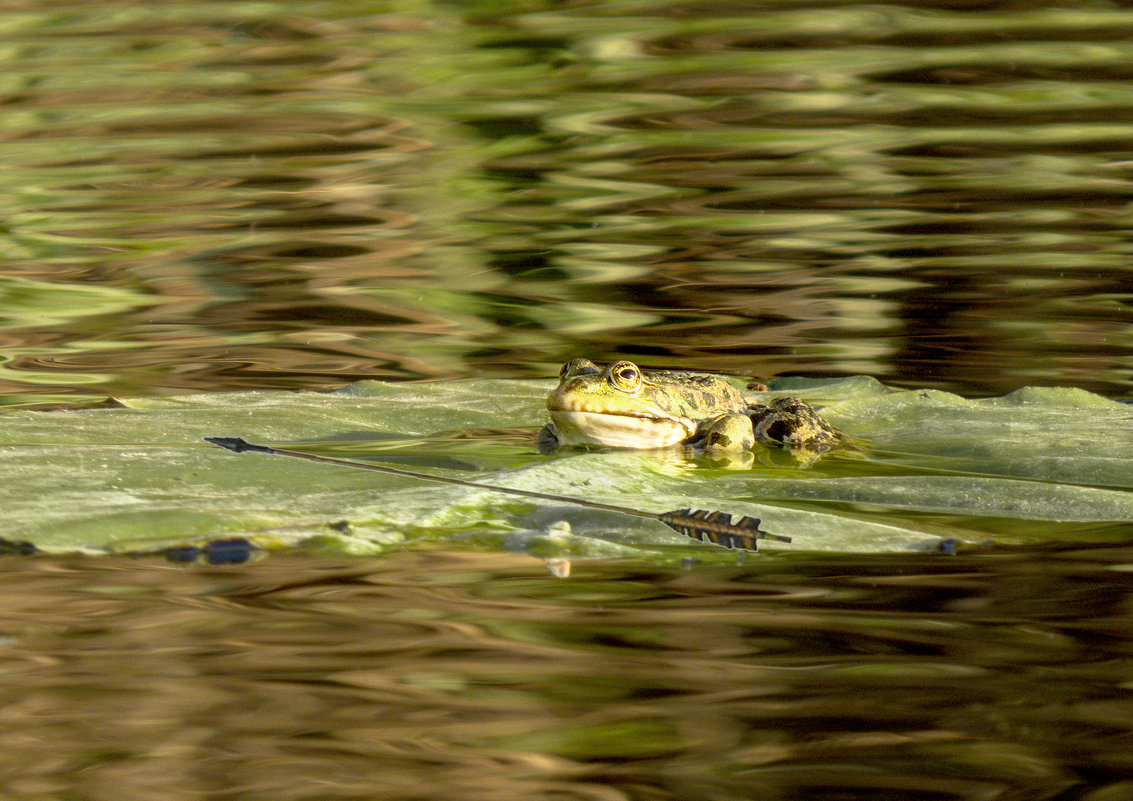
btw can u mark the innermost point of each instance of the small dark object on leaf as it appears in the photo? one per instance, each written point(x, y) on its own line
point(231, 551)
point(237, 445)
point(17, 548)
point(182, 554)
point(718, 528)
point(227, 551)
point(948, 546)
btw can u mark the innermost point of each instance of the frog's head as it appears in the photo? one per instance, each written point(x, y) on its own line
point(618, 405)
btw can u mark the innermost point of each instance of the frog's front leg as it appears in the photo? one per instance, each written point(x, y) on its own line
point(547, 440)
point(726, 432)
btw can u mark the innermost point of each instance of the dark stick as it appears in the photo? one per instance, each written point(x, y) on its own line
point(700, 524)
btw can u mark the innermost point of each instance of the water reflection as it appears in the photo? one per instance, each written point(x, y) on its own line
point(989, 675)
point(302, 197)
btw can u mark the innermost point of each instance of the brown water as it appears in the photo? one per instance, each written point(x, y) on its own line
point(469, 676)
point(224, 195)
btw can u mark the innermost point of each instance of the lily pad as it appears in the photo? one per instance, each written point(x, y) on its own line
point(1035, 465)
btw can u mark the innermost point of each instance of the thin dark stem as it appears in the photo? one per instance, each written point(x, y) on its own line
point(716, 527)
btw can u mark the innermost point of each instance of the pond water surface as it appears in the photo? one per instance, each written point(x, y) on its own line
point(473, 676)
point(233, 196)
point(242, 195)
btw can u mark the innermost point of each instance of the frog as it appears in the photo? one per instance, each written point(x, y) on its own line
point(623, 406)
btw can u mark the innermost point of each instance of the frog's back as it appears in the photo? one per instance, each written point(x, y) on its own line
point(695, 395)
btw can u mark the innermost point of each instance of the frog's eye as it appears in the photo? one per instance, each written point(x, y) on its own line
point(626, 376)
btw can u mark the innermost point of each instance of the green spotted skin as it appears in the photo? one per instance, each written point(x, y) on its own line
point(693, 395)
point(621, 405)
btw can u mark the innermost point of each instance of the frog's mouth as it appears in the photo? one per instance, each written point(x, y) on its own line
point(620, 430)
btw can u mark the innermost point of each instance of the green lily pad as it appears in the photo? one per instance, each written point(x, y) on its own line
point(1035, 465)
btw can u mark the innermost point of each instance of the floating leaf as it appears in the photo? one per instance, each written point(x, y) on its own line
point(1037, 464)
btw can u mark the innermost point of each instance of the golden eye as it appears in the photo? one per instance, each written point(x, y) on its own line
point(626, 376)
